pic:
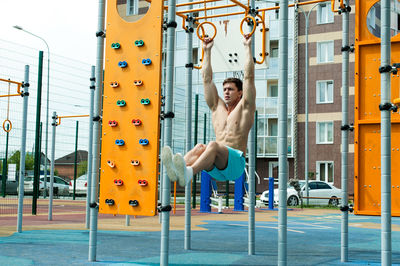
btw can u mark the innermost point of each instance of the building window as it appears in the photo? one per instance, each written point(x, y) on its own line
point(132, 7)
point(272, 90)
point(324, 13)
point(325, 171)
point(325, 91)
point(325, 52)
point(324, 132)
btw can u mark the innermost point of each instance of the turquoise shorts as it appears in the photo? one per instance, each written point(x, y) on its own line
point(234, 169)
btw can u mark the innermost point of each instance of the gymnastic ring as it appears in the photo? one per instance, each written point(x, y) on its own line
point(4, 125)
point(254, 23)
point(201, 26)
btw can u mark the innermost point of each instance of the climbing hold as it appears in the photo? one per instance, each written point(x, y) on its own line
point(143, 142)
point(146, 62)
point(145, 101)
point(122, 64)
point(121, 103)
point(139, 43)
point(142, 183)
point(110, 202)
point(136, 122)
point(120, 142)
point(111, 163)
point(133, 203)
point(135, 162)
point(114, 84)
point(115, 45)
point(138, 82)
point(118, 182)
point(112, 123)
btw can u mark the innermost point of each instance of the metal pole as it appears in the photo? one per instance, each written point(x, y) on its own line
point(96, 133)
point(47, 107)
point(5, 166)
point(386, 223)
point(37, 155)
point(252, 169)
point(76, 158)
point(189, 146)
point(345, 136)
point(196, 126)
point(90, 146)
point(47, 120)
point(282, 131)
point(22, 152)
point(306, 62)
point(53, 154)
point(169, 92)
point(127, 220)
point(306, 110)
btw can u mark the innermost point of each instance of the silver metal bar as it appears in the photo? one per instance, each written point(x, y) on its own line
point(345, 136)
point(282, 131)
point(169, 93)
point(127, 220)
point(252, 170)
point(96, 134)
point(53, 152)
point(22, 154)
point(188, 124)
point(386, 222)
point(90, 146)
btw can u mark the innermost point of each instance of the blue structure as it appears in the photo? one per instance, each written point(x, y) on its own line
point(271, 193)
point(239, 193)
point(205, 192)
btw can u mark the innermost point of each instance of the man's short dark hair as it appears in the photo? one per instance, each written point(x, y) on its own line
point(238, 82)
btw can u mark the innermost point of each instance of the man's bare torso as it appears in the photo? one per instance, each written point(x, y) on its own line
point(232, 129)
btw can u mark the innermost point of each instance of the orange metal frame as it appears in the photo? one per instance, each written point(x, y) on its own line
point(181, 13)
point(69, 116)
point(19, 85)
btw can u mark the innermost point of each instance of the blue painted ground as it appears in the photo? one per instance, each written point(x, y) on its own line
point(312, 240)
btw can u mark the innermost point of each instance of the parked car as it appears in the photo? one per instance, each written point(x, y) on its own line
point(11, 187)
point(81, 185)
point(60, 186)
point(320, 193)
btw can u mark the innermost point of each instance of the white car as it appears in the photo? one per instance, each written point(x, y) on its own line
point(81, 185)
point(320, 193)
point(60, 186)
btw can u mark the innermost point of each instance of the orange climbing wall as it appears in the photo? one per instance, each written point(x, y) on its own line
point(128, 179)
point(367, 174)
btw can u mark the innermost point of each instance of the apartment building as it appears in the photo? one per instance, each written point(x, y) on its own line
point(324, 94)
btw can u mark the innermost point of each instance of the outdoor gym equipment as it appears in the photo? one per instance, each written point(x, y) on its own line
point(7, 125)
point(250, 21)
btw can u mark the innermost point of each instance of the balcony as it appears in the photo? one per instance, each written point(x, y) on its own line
point(268, 146)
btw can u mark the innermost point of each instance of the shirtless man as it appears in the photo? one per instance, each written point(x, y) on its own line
point(232, 118)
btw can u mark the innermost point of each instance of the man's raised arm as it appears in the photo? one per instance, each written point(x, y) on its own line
point(210, 91)
point(249, 88)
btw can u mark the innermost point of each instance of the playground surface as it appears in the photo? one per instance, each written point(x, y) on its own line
point(217, 239)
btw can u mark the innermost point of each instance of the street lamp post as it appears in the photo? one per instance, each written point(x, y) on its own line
point(306, 17)
point(47, 102)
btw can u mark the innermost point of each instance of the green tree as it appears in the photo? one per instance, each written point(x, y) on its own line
point(82, 168)
point(15, 158)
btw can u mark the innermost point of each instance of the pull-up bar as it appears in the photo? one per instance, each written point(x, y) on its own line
point(69, 116)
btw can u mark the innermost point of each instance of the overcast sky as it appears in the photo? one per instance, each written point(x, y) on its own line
point(69, 27)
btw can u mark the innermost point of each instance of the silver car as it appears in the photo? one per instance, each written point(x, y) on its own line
point(60, 186)
point(320, 193)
